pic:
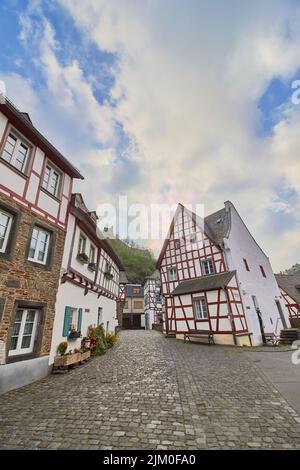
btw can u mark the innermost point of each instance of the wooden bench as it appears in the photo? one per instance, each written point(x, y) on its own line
point(201, 334)
point(271, 338)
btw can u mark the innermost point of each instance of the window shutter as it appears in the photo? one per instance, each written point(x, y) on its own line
point(79, 319)
point(67, 320)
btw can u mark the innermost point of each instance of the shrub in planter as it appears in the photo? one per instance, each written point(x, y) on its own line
point(62, 347)
point(111, 339)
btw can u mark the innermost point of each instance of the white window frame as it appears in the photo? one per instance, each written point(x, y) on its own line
point(7, 230)
point(19, 350)
point(200, 308)
point(46, 185)
point(92, 247)
point(172, 277)
point(34, 258)
point(18, 143)
point(208, 262)
point(83, 238)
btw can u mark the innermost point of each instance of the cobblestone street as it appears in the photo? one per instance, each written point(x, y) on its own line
point(149, 392)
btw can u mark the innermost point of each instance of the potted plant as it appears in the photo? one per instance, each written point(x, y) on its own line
point(92, 266)
point(73, 333)
point(83, 257)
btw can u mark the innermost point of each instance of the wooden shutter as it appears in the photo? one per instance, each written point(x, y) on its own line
point(79, 320)
point(67, 320)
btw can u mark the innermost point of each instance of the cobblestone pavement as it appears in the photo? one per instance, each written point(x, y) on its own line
point(149, 392)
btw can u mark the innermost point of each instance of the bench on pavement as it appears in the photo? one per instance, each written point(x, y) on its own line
point(201, 334)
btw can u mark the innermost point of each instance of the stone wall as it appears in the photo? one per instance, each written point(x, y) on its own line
point(27, 282)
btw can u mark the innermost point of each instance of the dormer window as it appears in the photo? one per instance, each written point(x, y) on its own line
point(51, 180)
point(208, 266)
point(16, 152)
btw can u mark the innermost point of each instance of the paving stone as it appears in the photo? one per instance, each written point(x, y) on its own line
point(151, 393)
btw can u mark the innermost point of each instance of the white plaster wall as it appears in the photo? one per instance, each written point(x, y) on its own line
point(12, 180)
point(3, 122)
point(239, 245)
point(38, 161)
point(48, 204)
point(76, 264)
point(70, 295)
point(32, 188)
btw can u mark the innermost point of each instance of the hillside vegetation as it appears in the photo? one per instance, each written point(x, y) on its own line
point(138, 262)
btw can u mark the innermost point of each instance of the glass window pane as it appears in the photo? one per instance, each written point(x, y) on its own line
point(19, 315)
point(16, 329)
point(13, 343)
point(30, 316)
point(25, 342)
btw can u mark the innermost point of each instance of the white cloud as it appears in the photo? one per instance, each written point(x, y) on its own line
point(187, 81)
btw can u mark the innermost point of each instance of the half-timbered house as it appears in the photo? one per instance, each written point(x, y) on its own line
point(89, 289)
point(289, 285)
point(35, 190)
point(216, 278)
point(133, 312)
point(152, 300)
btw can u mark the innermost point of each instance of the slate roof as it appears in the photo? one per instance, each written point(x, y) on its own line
point(218, 224)
point(204, 283)
point(289, 283)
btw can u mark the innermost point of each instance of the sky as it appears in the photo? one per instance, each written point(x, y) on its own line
point(167, 101)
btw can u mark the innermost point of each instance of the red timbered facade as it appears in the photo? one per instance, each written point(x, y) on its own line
point(289, 285)
point(200, 292)
point(152, 300)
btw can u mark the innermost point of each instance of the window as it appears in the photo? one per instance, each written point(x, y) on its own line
point(72, 320)
point(158, 297)
point(92, 254)
point(5, 226)
point(81, 246)
point(108, 267)
point(138, 304)
point(246, 264)
point(208, 266)
point(15, 152)
point(146, 299)
point(200, 306)
point(193, 238)
point(172, 274)
point(51, 180)
point(262, 271)
point(100, 313)
point(126, 305)
point(23, 332)
point(177, 244)
point(136, 290)
point(39, 246)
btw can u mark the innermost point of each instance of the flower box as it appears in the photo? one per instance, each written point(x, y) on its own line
point(92, 266)
point(74, 335)
point(86, 355)
point(83, 257)
point(67, 359)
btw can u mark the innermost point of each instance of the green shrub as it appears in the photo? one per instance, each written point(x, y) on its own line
point(111, 338)
point(62, 347)
point(101, 343)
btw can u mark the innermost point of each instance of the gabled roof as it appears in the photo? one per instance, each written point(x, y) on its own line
point(22, 122)
point(216, 226)
point(290, 283)
point(89, 221)
point(204, 283)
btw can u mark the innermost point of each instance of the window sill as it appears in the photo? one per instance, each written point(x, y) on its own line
point(57, 199)
point(45, 267)
point(13, 168)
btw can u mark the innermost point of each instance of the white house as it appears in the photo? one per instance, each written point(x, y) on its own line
point(90, 276)
point(152, 300)
point(216, 278)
